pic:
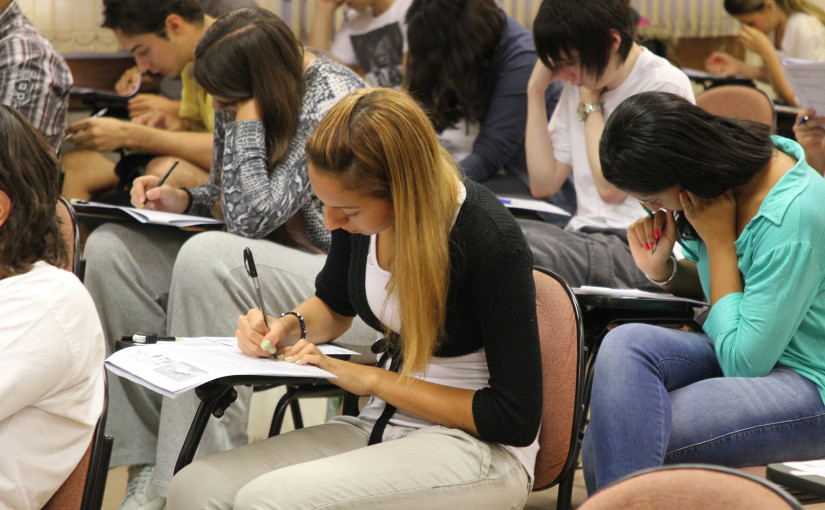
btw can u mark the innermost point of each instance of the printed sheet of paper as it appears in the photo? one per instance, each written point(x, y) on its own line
point(171, 368)
point(806, 79)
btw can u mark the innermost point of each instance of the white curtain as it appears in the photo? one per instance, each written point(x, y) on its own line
point(74, 25)
point(688, 18)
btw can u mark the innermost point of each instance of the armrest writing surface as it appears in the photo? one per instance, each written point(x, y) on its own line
point(808, 476)
point(600, 311)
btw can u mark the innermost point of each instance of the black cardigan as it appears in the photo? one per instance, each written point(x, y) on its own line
point(491, 304)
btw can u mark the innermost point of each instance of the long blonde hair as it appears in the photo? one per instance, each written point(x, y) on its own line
point(378, 142)
point(737, 7)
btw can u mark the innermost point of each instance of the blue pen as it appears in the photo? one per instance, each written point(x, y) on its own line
point(803, 120)
point(685, 249)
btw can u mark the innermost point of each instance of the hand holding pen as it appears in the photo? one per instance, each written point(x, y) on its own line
point(99, 113)
point(651, 240)
point(809, 131)
point(160, 183)
point(246, 331)
point(147, 191)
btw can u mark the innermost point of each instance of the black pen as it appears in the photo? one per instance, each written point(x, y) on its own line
point(662, 233)
point(161, 181)
point(249, 262)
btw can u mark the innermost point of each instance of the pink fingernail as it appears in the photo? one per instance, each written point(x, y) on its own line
point(656, 234)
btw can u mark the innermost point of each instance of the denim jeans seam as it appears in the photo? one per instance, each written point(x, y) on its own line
point(687, 362)
point(742, 432)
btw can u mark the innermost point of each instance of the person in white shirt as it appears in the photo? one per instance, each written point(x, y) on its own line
point(589, 46)
point(774, 29)
point(51, 341)
point(372, 38)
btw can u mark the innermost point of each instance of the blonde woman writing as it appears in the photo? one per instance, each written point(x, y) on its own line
point(442, 271)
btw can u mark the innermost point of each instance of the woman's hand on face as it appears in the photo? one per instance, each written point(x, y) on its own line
point(248, 109)
point(254, 338)
point(713, 219)
point(756, 40)
point(651, 257)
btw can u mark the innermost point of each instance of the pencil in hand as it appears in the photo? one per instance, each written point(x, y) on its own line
point(685, 249)
point(160, 182)
point(99, 113)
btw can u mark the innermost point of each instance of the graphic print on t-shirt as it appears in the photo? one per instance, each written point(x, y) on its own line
point(380, 54)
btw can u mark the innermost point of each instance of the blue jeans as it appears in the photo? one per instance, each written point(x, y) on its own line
point(659, 397)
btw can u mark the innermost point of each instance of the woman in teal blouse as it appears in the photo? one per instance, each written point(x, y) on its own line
point(748, 209)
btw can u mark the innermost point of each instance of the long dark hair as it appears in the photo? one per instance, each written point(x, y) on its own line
point(656, 140)
point(249, 53)
point(28, 175)
point(451, 44)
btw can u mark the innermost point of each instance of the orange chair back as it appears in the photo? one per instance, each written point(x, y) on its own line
point(560, 332)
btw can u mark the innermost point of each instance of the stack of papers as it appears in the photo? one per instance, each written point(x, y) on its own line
point(171, 368)
point(806, 79)
point(143, 215)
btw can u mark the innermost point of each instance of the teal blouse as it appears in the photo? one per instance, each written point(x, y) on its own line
point(780, 316)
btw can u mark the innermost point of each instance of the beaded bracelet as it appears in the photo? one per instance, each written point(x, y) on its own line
point(301, 320)
point(672, 275)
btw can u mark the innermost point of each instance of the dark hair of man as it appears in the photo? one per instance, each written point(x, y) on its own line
point(252, 53)
point(451, 44)
point(656, 140)
point(28, 175)
point(135, 17)
point(585, 26)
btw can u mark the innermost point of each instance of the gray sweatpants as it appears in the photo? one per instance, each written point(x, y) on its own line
point(161, 279)
point(599, 258)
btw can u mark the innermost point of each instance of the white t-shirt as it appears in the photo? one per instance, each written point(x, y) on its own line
point(459, 140)
point(376, 44)
point(469, 371)
point(51, 382)
point(804, 38)
point(650, 72)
